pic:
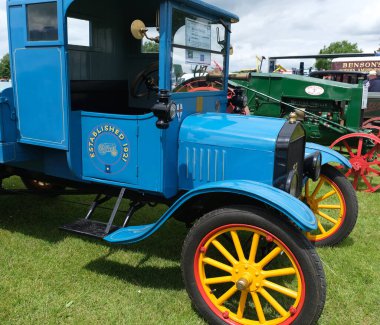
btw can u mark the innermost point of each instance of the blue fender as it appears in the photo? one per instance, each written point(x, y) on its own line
point(294, 209)
point(328, 155)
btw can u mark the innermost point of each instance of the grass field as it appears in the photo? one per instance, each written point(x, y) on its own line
point(51, 277)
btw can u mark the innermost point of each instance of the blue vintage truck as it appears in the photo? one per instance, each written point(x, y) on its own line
point(110, 114)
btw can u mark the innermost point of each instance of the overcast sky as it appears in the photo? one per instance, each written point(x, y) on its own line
point(286, 27)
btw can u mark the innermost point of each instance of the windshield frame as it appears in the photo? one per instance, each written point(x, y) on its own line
point(169, 38)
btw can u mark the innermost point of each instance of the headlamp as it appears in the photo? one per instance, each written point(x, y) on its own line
point(291, 185)
point(239, 100)
point(313, 165)
point(164, 110)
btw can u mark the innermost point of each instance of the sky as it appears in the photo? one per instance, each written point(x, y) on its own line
point(286, 27)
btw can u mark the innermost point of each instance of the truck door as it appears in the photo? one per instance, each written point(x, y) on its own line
point(39, 73)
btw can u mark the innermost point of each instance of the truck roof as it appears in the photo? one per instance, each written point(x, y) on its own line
point(196, 4)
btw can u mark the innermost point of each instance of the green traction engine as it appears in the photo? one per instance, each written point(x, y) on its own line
point(332, 114)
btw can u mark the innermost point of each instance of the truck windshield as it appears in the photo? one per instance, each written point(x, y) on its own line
point(198, 53)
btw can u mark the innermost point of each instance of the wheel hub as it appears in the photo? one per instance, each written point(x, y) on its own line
point(247, 277)
point(243, 284)
point(359, 163)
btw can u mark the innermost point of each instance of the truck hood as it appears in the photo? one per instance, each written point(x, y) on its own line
point(232, 131)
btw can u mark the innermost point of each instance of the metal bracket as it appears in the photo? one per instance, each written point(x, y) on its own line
point(98, 201)
point(5, 100)
point(133, 208)
point(115, 209)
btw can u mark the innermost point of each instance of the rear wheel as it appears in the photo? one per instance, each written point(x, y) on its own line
point(42, 187)
point(334, 203)
point(246, 266)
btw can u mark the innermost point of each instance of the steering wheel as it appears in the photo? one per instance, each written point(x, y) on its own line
point(146, 82)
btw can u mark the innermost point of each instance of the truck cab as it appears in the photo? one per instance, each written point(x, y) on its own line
point(75, 100)
point(111, 112)
point(137, 105)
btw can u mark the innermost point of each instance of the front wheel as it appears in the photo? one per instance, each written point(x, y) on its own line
point(333, 200)
point(243, 265)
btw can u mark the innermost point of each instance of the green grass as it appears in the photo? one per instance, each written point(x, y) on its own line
point(48, 276)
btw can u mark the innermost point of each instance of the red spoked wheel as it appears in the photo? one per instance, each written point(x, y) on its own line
point(372, 121)
point(245, 266)
point(374, 128)
point(373, 124)
point(362, 150)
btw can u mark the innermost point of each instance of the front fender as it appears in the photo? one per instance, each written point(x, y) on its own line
point(294, 209)
point(328, 155)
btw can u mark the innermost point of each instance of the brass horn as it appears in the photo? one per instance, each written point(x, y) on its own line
point(138, 29)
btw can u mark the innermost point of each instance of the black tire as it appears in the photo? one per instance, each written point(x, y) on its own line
point(349, 215)
point(273, 232)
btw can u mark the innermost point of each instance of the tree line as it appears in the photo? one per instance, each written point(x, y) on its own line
point(151, 47)
point(5, 70)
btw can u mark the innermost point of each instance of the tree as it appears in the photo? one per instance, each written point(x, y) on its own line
point(150, 47)
point(5, 70)
point(334, 48)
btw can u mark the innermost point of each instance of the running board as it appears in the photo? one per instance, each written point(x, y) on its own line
point(95, 228)
point(90, 228)
point(131, 234)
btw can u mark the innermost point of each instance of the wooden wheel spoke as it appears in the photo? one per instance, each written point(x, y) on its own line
point(218, 265)
point(275, 304)
point(370, 153)
point(218, 280)
point(360, 148)
point(329, 206)
point(327, 217)
point(377, 172)
point(326, 196)
point(356, 179)
point(318, 188)
point(242, 302)
point(321, 228)
point(375, 163)
point(258, 307)
point(270, 257)
point(348, 149)
point(366, 181)
point(307, 189)
point(239, 249)
point(281, 289)
point(279, 272)
point(224, 252)
point(227, 295)
point(348, 173)
point(254, 246)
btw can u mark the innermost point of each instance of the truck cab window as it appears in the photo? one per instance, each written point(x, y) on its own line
point(79, 32)
point(149, 46)
point(199, 52)
point(42, 21)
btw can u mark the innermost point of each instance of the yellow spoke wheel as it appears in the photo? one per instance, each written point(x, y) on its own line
point(334, 203)
point(236, 280)
point(243, 273)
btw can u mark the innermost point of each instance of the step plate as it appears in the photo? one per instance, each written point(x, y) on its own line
point(89, 228)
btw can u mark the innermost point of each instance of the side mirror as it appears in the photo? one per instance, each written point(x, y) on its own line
point(139, 31)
